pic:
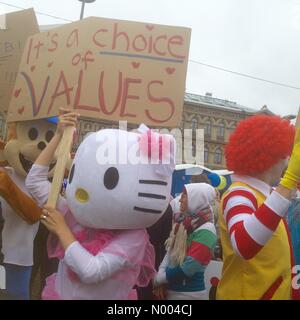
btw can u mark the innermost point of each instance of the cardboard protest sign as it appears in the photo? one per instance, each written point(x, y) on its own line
point(14, 29)
point(104, 69)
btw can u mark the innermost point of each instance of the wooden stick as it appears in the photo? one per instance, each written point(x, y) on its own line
point(59, 172)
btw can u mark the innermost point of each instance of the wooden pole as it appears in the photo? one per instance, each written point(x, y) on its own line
point(62, 158)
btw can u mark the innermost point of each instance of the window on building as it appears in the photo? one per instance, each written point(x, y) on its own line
point(87, 126)
point(207, 128)
point(231, 129)
point(194, 124)
point(218, 156)
point(194, 149)
point(205, 154)
point(221, 130)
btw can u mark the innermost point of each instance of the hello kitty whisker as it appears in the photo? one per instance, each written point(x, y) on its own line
point(158, 182)
point(147, 210)
point(151, 195)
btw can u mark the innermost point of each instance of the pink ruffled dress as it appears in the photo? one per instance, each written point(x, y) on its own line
point(114, 262)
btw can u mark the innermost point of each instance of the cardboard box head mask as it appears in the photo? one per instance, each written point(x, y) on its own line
point(25, 142)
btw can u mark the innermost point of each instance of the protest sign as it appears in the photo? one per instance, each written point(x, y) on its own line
point(14, 29)
point(104, 69)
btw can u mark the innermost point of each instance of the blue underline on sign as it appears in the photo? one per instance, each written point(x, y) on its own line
point(120, 54)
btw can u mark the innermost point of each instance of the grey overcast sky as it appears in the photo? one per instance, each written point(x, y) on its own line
point(255, 37)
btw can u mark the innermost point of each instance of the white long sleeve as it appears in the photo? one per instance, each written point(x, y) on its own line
point(161, 277)
point(38, 185)
point(163, 265)
point(93, 269)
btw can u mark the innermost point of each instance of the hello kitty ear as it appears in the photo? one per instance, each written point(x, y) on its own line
point(159, 149)
point(166, 168)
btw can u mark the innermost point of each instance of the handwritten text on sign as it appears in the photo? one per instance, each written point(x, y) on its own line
point(105, 69)
point(19, 25)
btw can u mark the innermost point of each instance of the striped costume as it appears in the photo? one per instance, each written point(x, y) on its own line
point(186, 282)
point(256, 250)
point(185, 277)
point(190, 276)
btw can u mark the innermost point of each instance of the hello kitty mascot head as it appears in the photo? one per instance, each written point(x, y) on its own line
point(119, 184)
point(120, 179)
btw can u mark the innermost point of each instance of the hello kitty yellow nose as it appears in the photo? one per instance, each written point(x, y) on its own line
point(81, 195)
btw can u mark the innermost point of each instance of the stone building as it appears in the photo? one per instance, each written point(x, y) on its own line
point(217, 117)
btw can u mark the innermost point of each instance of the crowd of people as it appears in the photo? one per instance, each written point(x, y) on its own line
point(120, 235)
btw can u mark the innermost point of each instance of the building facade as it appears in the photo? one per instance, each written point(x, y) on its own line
point(217, 117)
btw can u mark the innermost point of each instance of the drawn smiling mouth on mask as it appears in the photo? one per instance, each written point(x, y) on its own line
point(27, 164)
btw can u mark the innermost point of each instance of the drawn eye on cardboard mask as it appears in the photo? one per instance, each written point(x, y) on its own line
point(33, 133)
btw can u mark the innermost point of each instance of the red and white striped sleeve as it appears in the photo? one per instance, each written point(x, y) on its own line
point(250, 226)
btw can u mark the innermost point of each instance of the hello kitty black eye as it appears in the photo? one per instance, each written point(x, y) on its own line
point(71, 173)
point(111, 178)
point(33, 133)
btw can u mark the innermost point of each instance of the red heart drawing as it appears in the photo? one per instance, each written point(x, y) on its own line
point(21, 110)
point(50, 64)
point(17, 92)
point(170, 70)
point(32, 68)
point(135, 64)
point(150, 27)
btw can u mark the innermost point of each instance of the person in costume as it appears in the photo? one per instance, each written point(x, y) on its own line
point(158, 234)
point(190, 245)
point(99, 230)
point(294, 224)
point(20, 213)
point(257, 254)
point(293, 219)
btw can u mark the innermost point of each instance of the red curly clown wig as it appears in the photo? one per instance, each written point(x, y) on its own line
point(258, 143)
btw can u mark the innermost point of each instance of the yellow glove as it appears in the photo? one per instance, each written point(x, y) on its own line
point(292, 175)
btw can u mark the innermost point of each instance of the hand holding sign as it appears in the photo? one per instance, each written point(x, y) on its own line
point(66, 118)
point(65, 128)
